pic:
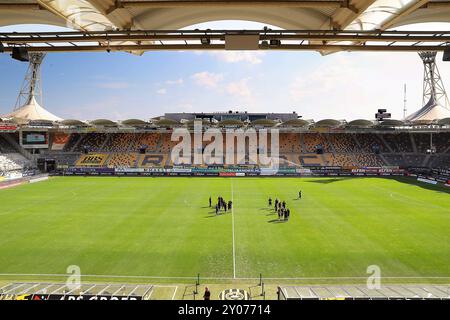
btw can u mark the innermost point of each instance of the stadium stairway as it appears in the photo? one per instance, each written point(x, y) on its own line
point(159, 144)
point(108, 138)
point(413, 143)
point(380, 137)
point(75, 145)
point(383, 159)
point(302, 144)
point(325, 138)
point(426, 160)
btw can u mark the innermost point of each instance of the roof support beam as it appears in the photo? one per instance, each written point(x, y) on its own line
point(20, 6)
point(404, 12)
point(288, 47)
point(437, 4)
point(341, 19)
point(192, 40)
point(126, 21)
point(228, 3)
point(20, 39)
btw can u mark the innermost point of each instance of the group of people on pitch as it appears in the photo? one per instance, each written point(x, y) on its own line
point(221, 204)
point(280, 208)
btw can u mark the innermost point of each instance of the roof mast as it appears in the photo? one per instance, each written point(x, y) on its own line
point(434, 100)
point(27, 105)
point(433, 87)
point(31, 86)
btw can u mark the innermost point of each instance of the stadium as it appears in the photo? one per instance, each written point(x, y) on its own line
point(250, 205)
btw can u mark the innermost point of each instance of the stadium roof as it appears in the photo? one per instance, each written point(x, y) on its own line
point(360, 123)
point(345, 292)
point(134, 122)
point(391, 123)
point(431, 111)
point(100, 15)
point(86, 291)
point(103, 122)
point(73, 122)
point(166, 123)
point(327, 123)
point(32, 111)
point(444, 122)
point(264, 122)
point(295, 123)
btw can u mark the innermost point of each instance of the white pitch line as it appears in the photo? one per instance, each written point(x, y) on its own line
point(173, 297)
point(204, 278)
point(232, 228)
point(148, 297)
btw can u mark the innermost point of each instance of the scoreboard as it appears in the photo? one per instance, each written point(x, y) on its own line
point(34, 139)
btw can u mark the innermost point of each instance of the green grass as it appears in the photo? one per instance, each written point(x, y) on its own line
point(163, 227)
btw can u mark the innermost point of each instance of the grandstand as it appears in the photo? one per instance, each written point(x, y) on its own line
point(345, 148)
point(12, 161)
point(303, 144)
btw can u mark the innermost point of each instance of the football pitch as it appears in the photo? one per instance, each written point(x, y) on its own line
point(163, 228)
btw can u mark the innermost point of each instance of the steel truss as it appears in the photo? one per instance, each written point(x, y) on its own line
point(150, 40)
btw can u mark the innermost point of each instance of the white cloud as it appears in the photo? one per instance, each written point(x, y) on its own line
point(239, 88)
point(207, 79)
point(335, 72)
point(161, 91)
point(178, 81)
point(355, 85)
point(115, 85)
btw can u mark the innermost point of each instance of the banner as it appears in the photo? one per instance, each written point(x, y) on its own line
point(227, 174)
point(7, 127)
point(59, 140)
point(427, 180)
point(91, 160)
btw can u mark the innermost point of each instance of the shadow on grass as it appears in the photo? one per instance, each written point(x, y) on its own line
point(276, 221)
point(412, 181)
point(327, 181)
point(407, 180)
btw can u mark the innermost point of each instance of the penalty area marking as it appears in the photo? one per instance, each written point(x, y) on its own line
point(167, 286)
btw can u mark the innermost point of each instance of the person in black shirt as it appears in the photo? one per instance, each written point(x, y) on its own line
point(207, 294)
point(209, 201)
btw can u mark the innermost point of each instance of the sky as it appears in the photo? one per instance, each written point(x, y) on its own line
point(119, 86)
